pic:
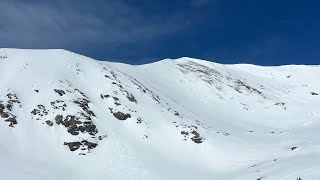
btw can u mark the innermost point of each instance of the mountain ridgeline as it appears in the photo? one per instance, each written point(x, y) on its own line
point(67, 116)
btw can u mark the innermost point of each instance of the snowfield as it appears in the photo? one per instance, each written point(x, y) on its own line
point(66, 116)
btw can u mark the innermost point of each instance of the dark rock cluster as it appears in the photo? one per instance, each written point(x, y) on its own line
point(191, 133)
point(121, 116)
point(196, 138)
point(131, 97)
point(83, 104)
point(80, 92)
point(40, 110)
point(60, 92)
point(59, 104)
point(75, 125)
point(281, 104)
point(104, 96)
point(139, 120)
point(49, 123)
point(6, 109)
point(293, 148)
point(84, 144)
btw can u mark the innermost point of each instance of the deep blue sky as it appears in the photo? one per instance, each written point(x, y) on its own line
point(265, 32)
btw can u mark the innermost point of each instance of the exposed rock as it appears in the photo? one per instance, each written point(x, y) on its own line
point(49, 123)
point(59, 119)
point(240, 83)
point(41, 111)
point(131, 97)
point(12, 121)
point(82, 94)
point(90, 145)
point(139, 120)
point(84, 144)
point(196, 138)
point(4, 114)
point(6, 109)
point(121, 116)
point(195, 133)
point(102, 137)
point(60, 92)
point(1, 107)
point(314, 94)
point(59, 104)
point(279, 104)
point(225, 134)
point(104, 96)
point(91, 128)
point(71, 120)
point(74, 130)
point(83, 104)
point(293, 148)
point(144, 89)
point(82, 129)
point(73, 146)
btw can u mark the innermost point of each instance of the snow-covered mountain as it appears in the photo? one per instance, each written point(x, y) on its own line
point(66, 116)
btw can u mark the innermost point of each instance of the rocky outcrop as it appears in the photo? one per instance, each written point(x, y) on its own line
point(6, 108)
point(121, 116)
point(60, 92)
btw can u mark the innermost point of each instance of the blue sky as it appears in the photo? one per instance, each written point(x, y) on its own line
point(264, 32)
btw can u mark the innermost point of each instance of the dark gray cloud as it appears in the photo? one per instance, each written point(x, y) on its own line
point(62, 24)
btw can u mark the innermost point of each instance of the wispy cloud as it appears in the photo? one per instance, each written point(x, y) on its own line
point(60, 24)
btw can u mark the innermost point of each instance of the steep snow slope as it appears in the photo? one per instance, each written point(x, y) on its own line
point(66, 116)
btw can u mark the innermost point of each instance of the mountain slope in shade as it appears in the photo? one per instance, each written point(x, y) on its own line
point(66, 116)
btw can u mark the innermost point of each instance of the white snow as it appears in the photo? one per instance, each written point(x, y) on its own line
point(250, 117)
